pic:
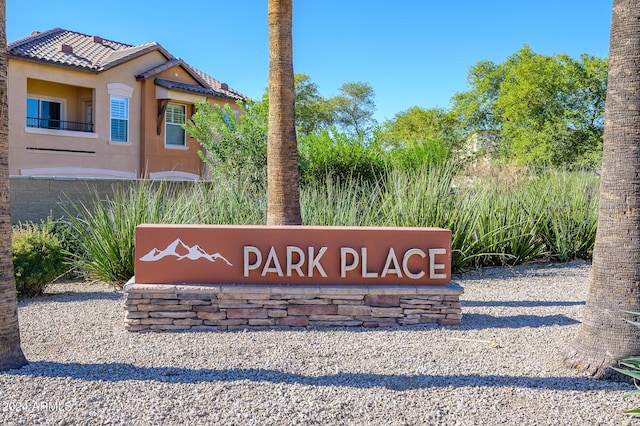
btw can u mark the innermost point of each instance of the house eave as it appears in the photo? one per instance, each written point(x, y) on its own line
point(54, 64)
point(191, 89)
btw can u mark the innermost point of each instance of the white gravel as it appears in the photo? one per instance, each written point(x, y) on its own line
point(502, 366)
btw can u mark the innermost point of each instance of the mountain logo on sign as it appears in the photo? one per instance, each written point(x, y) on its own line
point(181, 251)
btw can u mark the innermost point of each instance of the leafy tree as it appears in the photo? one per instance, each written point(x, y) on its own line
point(476, 106)
point(235, 145)
point(313, 112)
point(548, 109)
point(354, 108)
point(417, 125)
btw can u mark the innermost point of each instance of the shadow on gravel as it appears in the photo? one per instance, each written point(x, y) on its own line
point(114, 372)
point(72, 296)
point(482, 321)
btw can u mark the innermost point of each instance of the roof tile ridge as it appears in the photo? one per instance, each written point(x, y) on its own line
point(123, 55)
point(218, 84)
point(158, 68)
point(198, 75)
point(35, 36)
point(125, 45)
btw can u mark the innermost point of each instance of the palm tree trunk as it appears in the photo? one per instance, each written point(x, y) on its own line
point(283, 192)
point(11, 355)
point(604, 336)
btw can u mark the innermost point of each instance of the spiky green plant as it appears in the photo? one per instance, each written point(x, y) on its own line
point(632, 370)
point(536, 217)
point(569, 213)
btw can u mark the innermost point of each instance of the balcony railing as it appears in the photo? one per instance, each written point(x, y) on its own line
point(47, 123)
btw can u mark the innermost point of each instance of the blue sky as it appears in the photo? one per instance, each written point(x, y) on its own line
point(412, 52)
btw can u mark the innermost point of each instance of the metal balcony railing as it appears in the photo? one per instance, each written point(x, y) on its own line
point(47, 123)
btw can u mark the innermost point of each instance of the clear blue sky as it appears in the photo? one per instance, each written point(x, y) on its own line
point(412, 52)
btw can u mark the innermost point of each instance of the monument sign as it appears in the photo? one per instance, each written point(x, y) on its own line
point(232, 254)
point(229, 277)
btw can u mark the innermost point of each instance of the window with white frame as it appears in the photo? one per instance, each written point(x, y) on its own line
point(119, 119)
point(175, 118)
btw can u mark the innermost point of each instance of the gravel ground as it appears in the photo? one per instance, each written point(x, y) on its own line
point(502, 366)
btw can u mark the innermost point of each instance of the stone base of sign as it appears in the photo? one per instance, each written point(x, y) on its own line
point(213, 307)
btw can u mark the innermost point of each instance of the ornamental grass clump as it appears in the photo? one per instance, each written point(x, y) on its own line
point(506, 226)
point(569, 213)
point(105, 228)
point(336, 203)
point(538, 216)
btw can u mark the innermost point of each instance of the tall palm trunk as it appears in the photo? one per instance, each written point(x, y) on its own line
point(604, 336)
point(283, 192)
point(11, 355)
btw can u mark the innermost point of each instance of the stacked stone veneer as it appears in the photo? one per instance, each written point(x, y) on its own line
point(233, 307)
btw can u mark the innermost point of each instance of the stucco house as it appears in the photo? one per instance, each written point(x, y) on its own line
point(81, 105)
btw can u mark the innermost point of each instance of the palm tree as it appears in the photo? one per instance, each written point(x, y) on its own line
point(11, 355)
point(604, 336)
point(283, 181)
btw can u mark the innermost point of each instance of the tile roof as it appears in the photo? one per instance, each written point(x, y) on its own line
point(69, 48)
point(209, 85)
point(184, 87)
point(218, 86)
point(94, 54)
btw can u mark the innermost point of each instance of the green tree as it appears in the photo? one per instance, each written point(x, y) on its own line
point(548, 109)
point(313, 112)
point(235, 145)
point(418, 125)
point(353, 108)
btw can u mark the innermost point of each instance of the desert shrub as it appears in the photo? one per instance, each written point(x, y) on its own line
point(507, 226)
point(61, 229)
point(234, 146)
point(342, 157)
point(425, 197)
point(104, 229)
point(419, 154)
point(38, 259)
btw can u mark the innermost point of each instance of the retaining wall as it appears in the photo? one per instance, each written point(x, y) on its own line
point(210, 307)
point(35, 198)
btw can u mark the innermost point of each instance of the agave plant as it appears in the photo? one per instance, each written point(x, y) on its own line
point(632, 370)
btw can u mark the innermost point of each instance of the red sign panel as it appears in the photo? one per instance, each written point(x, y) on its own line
point(254, 254)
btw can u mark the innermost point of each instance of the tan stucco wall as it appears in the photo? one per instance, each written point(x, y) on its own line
point(157, 156)
point(100, 154)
